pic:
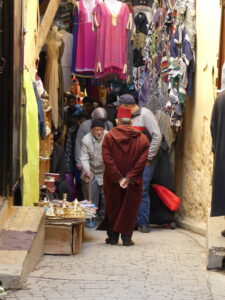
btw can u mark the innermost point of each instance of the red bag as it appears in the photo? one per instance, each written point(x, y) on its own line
point(171, 200)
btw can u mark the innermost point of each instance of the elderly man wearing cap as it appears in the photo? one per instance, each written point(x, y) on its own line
point(143, 120)
point(98, 114)
point(125, 153)
point(93, 166)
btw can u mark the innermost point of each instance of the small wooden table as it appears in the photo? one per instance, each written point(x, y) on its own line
point(63, 235)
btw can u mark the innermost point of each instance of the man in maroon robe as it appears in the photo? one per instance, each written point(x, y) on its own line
point(125, 154)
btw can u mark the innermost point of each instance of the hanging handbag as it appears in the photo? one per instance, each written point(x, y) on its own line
point(171, 200)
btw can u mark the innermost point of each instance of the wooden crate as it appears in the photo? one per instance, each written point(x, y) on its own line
point(63, 237)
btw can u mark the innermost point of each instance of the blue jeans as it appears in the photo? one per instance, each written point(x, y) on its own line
point(144, 208)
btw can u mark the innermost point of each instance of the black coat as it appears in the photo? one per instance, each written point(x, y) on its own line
point(159, 213)
point(218, 148)
point(163, 175)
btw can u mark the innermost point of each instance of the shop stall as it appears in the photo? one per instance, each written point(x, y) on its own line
point(142, 47)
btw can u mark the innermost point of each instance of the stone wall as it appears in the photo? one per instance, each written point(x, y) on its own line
point(194, 159)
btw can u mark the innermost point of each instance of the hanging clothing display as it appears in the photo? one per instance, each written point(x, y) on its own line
point(75, 34)
point(54, 41)
point(31, 169)
point(41, 119)
point(139, 75)
point(61, 87)
point(148, 11)
point(112, 26)
point(130, 56)
point(64, 15)
point(67, 17)
point(66, 60)
point(180, 74)
point(186, 14)
point(153, 53)
point(168, 52)
point(139, 39)
point(86, 37)
point(148, 3)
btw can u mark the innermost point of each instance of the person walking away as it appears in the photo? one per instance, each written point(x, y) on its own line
point(143, 120)
point(125, 153)
point(110, 108)
point(218, 148)
point(93, 166)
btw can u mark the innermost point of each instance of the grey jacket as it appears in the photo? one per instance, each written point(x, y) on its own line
point(91, 157)
point(82, 131)
point(144, 119)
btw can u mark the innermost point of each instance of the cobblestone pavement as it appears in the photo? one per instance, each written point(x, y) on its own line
point(163, 265)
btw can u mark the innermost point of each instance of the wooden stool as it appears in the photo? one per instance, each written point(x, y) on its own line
point(63, 236)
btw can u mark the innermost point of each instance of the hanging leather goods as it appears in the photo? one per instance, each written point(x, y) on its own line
point(171, 200)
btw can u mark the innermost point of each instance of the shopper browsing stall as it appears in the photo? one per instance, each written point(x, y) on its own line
point(92, 165)
point(98, 113)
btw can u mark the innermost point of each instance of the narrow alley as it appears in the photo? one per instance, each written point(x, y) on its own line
point(163, 265)
point(112, 117)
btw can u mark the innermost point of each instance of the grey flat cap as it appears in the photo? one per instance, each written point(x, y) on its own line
point(124, 99)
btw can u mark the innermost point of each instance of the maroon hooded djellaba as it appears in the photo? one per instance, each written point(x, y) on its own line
point(125, 152)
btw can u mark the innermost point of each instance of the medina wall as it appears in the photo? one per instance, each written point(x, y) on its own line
point(193, 171)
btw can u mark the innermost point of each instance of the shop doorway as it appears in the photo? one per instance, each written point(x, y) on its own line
point(11, 66)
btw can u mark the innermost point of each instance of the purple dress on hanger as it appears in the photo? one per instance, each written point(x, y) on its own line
point(86, 39)
point(111, 56)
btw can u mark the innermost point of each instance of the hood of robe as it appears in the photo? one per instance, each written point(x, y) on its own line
point(122, 136)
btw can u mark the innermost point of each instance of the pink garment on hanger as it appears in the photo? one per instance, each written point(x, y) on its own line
point(86, 40)
point(111, 51)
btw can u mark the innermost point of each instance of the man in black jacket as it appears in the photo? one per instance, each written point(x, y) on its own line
point(218, 149)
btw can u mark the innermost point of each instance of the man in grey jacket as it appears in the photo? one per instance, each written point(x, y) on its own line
point(98, 113)
point(144, 120)
point(93, 166)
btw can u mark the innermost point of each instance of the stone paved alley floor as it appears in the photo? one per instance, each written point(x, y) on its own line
point(163, 265)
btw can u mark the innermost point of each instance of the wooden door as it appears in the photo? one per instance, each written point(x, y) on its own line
point(11, 53)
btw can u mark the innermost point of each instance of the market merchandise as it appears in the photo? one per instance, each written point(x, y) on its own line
point(86, 38)
point(112, 22)
point(53, 44)
point(143, 47)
